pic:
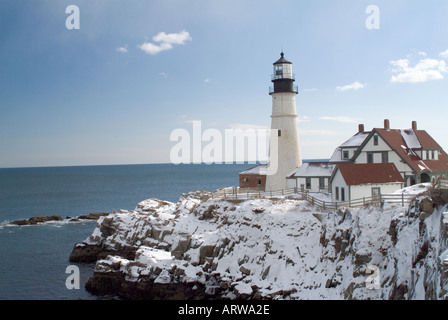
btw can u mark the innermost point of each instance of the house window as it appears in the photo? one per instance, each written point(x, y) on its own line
point(427, 155)
point(435, 155)
point(342, 194)
point(385, 157)
point(308, 183)
point(279, 133)
point(321, 183)
point(375, 140)
point(246, 181)
point(259, 181)
point(369, 157)
point(376, 193)
point(345, 154)
point(336, 193)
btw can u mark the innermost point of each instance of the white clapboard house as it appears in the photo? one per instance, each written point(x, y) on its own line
point(378, 161)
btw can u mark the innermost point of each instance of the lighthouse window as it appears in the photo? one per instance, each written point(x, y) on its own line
point(279, 133)
point(278, 70)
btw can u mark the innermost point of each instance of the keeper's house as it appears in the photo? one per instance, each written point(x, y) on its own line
point(351, 181)
point(415, 154)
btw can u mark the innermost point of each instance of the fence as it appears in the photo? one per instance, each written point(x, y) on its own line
point(235, 193)
point(444, 184)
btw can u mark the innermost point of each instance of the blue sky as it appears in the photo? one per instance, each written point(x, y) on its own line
point(112, 91)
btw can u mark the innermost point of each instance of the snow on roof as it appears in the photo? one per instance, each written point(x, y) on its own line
point(410, 138)
point(337, 156)
point(353, 142)
point(261, 169)
point(356, 140)
point(313, 169)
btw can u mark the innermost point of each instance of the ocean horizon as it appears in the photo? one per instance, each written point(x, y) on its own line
point(144, 164)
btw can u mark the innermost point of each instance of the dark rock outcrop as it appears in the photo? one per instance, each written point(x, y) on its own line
point(36, 220)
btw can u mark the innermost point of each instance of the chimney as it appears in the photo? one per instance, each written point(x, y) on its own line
point(386, 124)
point(361, 128)
point(414, 125)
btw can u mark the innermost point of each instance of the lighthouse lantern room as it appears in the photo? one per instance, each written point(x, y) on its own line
point(283, 78)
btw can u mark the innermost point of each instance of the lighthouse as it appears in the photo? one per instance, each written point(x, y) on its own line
point(284, 149)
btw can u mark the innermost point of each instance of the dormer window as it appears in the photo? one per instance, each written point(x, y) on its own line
point(345, 154)
point(430, 155)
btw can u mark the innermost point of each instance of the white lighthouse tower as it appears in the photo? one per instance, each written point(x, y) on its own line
point(284, 121)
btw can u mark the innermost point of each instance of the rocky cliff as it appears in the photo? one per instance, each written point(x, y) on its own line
point(283, 248)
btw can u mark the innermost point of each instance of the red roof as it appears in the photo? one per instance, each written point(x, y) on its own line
point(426, 141)
point(369, 173)
point(394, 138)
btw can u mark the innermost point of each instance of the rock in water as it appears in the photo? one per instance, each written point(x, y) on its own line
point(36, 220)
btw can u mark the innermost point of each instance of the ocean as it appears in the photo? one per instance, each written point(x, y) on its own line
point(34, 259)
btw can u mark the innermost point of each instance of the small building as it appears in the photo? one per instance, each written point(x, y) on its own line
point(351, 181)
point(254, 178)
point(312, 177)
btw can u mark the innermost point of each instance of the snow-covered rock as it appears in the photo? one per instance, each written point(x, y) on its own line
point(278, 248)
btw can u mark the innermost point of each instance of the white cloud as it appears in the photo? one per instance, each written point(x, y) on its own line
point(245, 126)
point(309, 90)
point(122, 49)
point(317, 132)
point(304, 119)
point(424, 70)
point(444, 54)
point(164, 75)
point(340, 119)
point(192, 121)
point(165, 42)
point(172, 38)
point(353, 86)
point(207, 80)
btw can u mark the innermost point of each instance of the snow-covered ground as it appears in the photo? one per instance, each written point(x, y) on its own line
point(279, 248)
